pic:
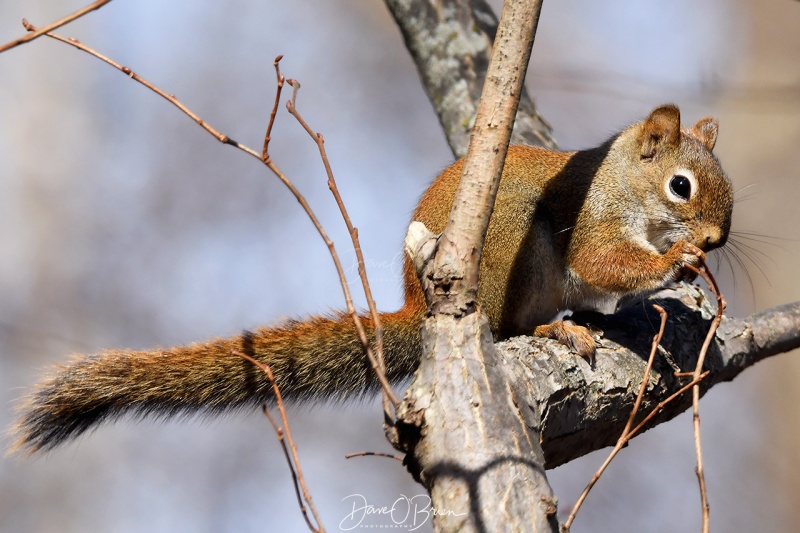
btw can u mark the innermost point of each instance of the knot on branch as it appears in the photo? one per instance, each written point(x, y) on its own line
point(435, 262)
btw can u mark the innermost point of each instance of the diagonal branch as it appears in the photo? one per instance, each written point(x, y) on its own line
point(451, 44)
point(50, 27)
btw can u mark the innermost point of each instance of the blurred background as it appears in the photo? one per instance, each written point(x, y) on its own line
point(123, 224)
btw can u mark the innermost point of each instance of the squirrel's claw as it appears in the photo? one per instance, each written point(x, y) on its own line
point(685, 253)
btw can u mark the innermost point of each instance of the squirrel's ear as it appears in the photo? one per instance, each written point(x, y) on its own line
point(662, 128)
point(706, 130)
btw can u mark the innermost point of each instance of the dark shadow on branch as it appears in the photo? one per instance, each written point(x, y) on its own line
point(584, 408)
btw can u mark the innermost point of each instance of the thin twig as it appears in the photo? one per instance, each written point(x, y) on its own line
point(701, 478)
point(274, 112)
point(264, 158)
point(376, 358)
point(626, 434)
point(285, 436)
point(658, 408)
point(221, 137)
point(697, 377)
point(648, 369)
point(287, 455)
point(50, 27)
point(374, 454)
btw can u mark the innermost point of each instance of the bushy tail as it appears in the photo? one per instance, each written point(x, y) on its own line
point(318, 358)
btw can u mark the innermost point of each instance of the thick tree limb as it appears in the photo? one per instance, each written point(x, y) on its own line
point(469, 437)
point(582, 409)
point(451, 44)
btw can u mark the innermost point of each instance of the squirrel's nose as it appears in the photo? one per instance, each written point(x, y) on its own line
point(713, 238)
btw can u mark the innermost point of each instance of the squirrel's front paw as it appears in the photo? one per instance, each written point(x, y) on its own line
point(577, 338)
point(684, 253)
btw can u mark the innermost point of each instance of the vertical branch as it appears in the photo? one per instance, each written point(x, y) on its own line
point(456, 264)
point(701, 478)
point(479, 457)
point(278, 90)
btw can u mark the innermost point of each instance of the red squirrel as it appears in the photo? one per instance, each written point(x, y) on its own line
point(570, 230)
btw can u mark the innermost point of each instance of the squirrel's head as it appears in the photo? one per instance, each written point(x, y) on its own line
point(683, 189)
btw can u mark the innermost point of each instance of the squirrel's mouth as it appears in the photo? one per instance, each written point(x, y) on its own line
point(662, 242)
point(663, 234)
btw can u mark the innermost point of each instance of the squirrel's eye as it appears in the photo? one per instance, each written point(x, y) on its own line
point(680, 186)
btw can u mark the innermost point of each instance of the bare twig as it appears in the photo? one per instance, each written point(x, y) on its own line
point(658, 408)
point(265, 158)
point(627, 434)
point(374, 454)
point(284, 434)
point(274, 112)
point(50, 27)
point(169, 97)
point(296, 481)
point(701, 478)
point(697, 377)
point(375, 358)
point(648, 369)
point(295, 88)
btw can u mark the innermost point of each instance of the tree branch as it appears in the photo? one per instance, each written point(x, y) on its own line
point(35, 34)
point(451, 44)
point(582, 409)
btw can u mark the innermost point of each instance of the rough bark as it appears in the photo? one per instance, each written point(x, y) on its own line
point(582, 408)
point(451, 44)
point(468, 433)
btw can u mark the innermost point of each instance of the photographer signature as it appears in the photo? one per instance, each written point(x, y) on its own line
point(409, 512)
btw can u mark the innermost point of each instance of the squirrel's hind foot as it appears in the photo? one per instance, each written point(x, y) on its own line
point(577, 338)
